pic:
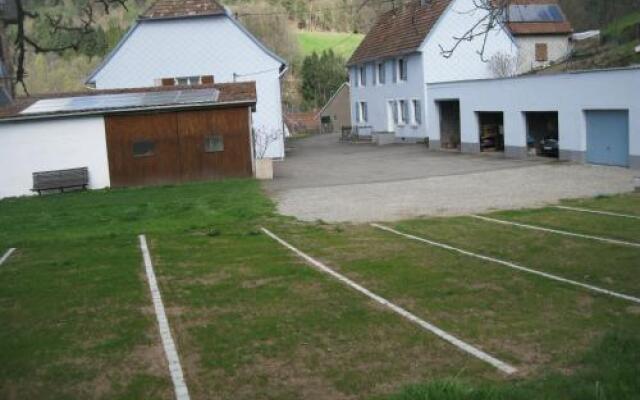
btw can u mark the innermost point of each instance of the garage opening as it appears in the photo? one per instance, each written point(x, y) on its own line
point(450, 137)
point(543, 133)
point(491, 133)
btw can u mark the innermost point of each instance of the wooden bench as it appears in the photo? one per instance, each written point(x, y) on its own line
point(61, 179)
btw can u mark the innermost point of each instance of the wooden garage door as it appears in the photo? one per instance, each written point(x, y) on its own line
point(176, 147)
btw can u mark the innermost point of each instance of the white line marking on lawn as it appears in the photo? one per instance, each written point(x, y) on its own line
point(182, 393)
point(540, 228)
point(502, 366)
point(6, 255)
point(586, 210)
point(511, 265)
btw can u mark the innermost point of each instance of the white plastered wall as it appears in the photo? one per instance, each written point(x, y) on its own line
point(558, 47)
point(32, 146)
point(568, 94)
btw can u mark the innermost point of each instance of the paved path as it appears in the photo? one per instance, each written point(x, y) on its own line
point(324, 179)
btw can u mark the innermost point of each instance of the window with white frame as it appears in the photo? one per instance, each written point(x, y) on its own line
point(402, 69)
point(417, 112)
point(403, 112)
point(363, 75)
point(188, 80)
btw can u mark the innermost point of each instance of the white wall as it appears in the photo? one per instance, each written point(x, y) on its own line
point(32, 146)
point(558, 47)
point(465, 63)
point(199, 46)
point(568, 94)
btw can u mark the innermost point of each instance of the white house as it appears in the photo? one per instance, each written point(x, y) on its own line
point(193, 42)
point(405, 52)
point(402, 53)
point(541, 31)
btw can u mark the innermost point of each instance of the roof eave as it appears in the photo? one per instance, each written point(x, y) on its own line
point(129, 110)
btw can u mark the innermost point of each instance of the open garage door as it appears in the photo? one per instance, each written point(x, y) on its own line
point(608, 137)
point(450, 137)
point(543, 135)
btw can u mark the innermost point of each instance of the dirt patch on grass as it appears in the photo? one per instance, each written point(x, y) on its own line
point(633, 310)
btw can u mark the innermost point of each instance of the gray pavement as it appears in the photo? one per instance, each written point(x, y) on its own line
point(339, 182)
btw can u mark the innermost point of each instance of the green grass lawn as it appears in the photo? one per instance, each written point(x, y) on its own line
point(251, 320)
point(343, 44)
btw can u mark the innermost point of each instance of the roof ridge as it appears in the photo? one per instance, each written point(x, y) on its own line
point(400, 31)
point(160, 9)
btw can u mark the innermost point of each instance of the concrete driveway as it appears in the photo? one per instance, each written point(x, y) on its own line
point(339, 182)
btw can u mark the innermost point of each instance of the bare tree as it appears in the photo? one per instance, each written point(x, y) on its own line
point(502, 65)
point(67, 32)
point(493, 13)
point(262, 139)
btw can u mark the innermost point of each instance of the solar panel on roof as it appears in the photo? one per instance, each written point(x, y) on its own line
point(535, 13)
point(122, 101)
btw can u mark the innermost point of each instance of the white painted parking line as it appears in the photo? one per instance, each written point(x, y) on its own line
point(511, 265)
point(6, 255)
point(586, 210)
point(559, 232)
point(502, 366)
point(179, 385)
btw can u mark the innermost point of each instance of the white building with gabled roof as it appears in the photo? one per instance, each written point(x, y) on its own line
point(198, 41)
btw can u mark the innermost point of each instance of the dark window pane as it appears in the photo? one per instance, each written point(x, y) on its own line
point(143, 148)
point(213, 144)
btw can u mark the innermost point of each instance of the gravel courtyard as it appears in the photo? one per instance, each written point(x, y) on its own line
point(339, 182)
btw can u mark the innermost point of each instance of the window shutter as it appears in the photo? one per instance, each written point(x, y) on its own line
point(207, 80)
point(382, 67)
point(365, 112)
point(374, 72)
point(357, 112)
point(168, 82)
point(542, 52)
point(363, 76)
point(395, 70)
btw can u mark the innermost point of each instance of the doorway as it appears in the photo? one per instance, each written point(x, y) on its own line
point(491, 134)
point(450, 137)
point(543, 136)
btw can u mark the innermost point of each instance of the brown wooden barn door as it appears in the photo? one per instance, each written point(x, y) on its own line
point(197, 162)
point(142, 149)
point(214, 144)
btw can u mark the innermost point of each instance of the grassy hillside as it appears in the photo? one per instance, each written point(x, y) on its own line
point(614, 49)
point(343, 44)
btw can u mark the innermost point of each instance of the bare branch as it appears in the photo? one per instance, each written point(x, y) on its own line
point(56, 24)
point(494, 13)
